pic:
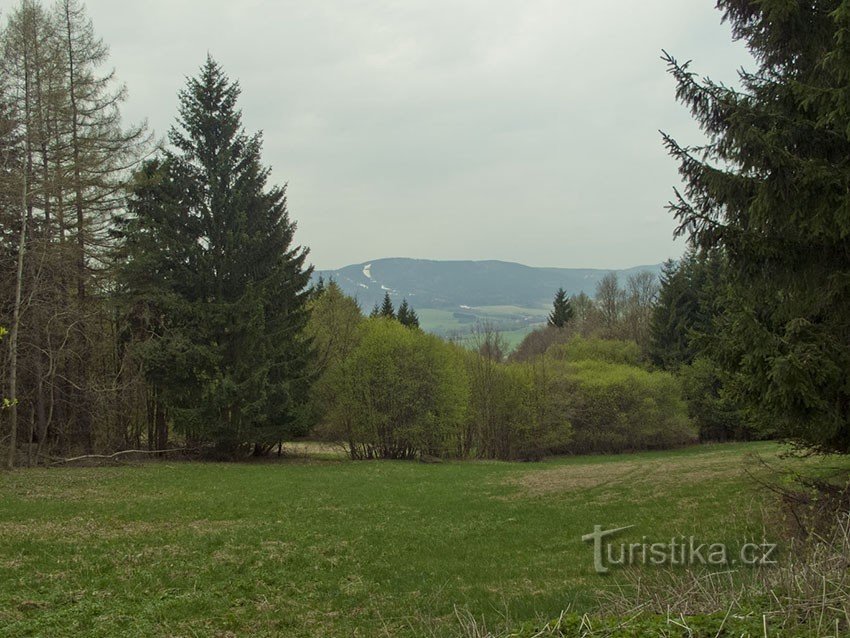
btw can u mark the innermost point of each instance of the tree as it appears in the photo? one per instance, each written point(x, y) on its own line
point(387, 310)
point(75, 157)
point(334, 317)
point(610, 300)
point(690, 298)
point(214, 280)
point(399, 394)
point(562, 310)
point(769, 188)
point(407, 316)
point(640, 298)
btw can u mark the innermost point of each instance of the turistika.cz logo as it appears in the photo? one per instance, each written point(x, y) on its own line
point(679, 551)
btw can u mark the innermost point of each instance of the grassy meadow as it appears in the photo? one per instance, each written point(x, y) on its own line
point(324, 546)
point(513, 322)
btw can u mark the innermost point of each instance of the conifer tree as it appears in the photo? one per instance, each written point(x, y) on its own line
point(562, 310)
point(387, 310)
point(407, 316)
point(216, 280)
point(769, 188)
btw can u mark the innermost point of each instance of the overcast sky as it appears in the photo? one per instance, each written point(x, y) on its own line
point(521, 130)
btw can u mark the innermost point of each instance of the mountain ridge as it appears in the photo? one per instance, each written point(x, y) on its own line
point(452, 284)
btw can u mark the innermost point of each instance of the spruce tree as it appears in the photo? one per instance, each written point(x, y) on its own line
point(387, 310)
point(562, 310)
point(215, 283)
point(407, 316)
point(769, 188)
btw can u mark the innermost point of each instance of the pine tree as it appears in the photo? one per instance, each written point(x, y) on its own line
point(387, 310)
point(376, 311)
point(407, 316)
point(222, 289)
point(770, 189)
point(562, 310)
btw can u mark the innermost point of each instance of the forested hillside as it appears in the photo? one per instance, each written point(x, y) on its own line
point(453, 284)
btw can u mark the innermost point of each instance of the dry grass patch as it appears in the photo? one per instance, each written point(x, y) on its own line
point(696, 469)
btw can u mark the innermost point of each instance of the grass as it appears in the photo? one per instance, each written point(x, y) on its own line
point(514, 322)
point(328, 547)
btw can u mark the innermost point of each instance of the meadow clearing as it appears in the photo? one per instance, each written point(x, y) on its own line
point(320, 545)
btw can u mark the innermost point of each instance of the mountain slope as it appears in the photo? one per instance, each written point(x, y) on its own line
point(451, 285)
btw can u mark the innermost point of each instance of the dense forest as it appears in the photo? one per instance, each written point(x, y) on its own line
point(155, 297)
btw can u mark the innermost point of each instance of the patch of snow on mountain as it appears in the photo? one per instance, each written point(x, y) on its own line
point(367, 271)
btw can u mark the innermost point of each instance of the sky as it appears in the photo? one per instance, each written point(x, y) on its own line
point(519, 130)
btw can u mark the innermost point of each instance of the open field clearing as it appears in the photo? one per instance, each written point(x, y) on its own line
point(321, 547)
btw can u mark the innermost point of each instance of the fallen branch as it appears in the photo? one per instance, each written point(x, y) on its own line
point(110, 457)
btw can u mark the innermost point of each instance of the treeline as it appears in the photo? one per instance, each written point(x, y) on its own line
point(154, 296)
point(391, 391)
point(65, 162)
point(673, 325)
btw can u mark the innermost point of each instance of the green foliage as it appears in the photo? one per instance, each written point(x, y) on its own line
point(714, 412)
point(590, 349)
point(618, 408)
point(407, 316)
point(332, 327)
point(562, 310)
point(516, 410)
point(399, 394)
point(387, 311)
point(684, 340)
point(215, 291)
point(770, 189)
point(691, 297)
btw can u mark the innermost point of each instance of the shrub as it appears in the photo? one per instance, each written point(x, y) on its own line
point(513, 412)
point(616, 408)
point(538, 341)
point(399, 393)
point(610, 350)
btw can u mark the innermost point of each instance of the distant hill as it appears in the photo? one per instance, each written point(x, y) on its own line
point(451, 285)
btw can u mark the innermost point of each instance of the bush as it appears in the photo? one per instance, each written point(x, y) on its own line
point(609, 350)
point(515, 411)
point(539, 341)
point(398, 394)
point(617, 408)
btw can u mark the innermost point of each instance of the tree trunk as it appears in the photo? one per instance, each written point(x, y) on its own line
point(13, 334)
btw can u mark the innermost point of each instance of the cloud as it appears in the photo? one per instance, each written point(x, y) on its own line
point(517, 130)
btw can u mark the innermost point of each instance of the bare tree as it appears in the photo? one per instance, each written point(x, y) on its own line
point(641, 295)
point(610, 299)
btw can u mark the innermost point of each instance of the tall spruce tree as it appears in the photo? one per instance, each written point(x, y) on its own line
point(217, 289)
point(770, 188)
point(562, 310)
point(387, 310)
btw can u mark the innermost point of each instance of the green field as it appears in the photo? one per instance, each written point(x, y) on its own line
point(514, 322)
point(329, 547)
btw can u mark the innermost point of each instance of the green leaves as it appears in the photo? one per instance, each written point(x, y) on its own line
point(211, 258)
point(770, 191)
